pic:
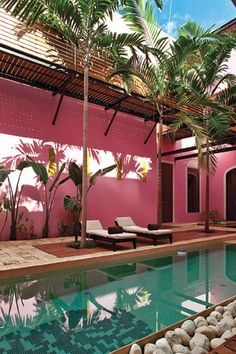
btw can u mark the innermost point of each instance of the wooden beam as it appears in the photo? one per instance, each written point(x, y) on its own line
point(150, 133)
point(61, 88)
point(229, 140)
point(58, 109)
point(226, 149)
point(110, 123)
point(116, 103)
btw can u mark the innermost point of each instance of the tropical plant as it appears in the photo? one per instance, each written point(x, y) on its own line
point(208, 84)
point(159, 72)
point(83, 23)
point(49, 191)
point(4, 207)
point(74, 204)
point(12, 202)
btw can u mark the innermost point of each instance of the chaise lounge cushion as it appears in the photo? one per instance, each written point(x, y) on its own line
point(128, 225)
point(94, 227)
point(124, 221)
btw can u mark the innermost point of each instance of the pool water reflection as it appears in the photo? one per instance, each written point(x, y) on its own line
point(97, 311)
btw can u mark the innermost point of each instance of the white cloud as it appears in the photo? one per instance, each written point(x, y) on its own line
point(170, 28)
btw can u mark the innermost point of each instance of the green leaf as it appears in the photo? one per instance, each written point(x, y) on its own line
point(23, 164)
point(3, 174)
point(57, 176)
point(64, 180)
point(75, 173)
point(71, 204)
point(7, 204)
point(101, 172)
point(39, 170)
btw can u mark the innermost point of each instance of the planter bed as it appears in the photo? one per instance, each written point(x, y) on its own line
point(161, 334)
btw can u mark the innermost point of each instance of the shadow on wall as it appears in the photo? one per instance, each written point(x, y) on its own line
point(32, 202)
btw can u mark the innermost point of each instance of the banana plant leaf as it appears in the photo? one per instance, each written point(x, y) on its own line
point(38, 168)
point(101, 172)
point(75, 172)
point(71, 204)
point(52, 162)
point(3, 174)
point(57, 176)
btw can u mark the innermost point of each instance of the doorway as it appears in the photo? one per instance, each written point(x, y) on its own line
point(167, 192)
point(231, 195)
point(193, 190)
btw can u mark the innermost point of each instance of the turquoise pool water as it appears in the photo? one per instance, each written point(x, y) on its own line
point(100, 310)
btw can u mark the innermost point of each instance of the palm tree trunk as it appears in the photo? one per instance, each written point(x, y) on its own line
point(85, 146)
point(46, 226)
point(159, 172)
point(207, 196)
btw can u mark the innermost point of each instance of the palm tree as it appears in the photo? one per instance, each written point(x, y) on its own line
point(158, 71)
point(83, 23)
point(208, 84)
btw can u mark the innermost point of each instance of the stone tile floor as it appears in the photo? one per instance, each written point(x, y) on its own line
point(24, 254)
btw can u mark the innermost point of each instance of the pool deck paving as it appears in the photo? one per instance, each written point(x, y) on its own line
point(39, 255)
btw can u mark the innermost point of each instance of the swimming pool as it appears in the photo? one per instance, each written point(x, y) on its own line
point(100, 310)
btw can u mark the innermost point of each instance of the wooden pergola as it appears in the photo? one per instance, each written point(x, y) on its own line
point(38, 57)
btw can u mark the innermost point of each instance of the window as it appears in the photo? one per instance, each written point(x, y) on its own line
point(193, 190)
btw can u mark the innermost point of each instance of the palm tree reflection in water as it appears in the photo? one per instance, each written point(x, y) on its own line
point(26, 306)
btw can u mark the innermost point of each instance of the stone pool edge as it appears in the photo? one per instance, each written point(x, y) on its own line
point(57, 264)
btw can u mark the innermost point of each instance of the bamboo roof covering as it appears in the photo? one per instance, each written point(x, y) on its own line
point(38, 57)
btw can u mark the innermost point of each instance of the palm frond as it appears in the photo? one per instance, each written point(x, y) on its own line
point(228, 79)
point(193, 124)
point(191, 30)
point(141, 17)
point(62, 15)
point(217, 126)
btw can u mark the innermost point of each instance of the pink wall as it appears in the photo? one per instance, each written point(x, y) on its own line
point(225, 162)
point(26, 113)
point(25, 128)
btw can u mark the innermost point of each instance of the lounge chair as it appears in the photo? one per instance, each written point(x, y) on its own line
point(129, 226)
point(96, 232)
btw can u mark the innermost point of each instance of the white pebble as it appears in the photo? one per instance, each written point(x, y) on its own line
point(189, 327)
point(216, 330)
point(207, 331)
point(164, 345)
point(199, 340)
point(179, 348)
point(200, 321)
point(227, 334)
point(225, 323)
point(217, 315)
point(199, 350)
point(172, 338)
point(212, 320)
point(149, 348)
point(185, 338)
point(158, 351)
point(135, 349)
point(216, 342)
point(219, 309)
point(227, 313)
point(234, 331)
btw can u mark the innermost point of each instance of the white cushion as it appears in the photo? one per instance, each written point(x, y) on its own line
point(104, 233)
point(94, 225)
point(124, 221)
point(135, 228)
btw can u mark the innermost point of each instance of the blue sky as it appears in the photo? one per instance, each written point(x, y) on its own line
point(204, 12)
